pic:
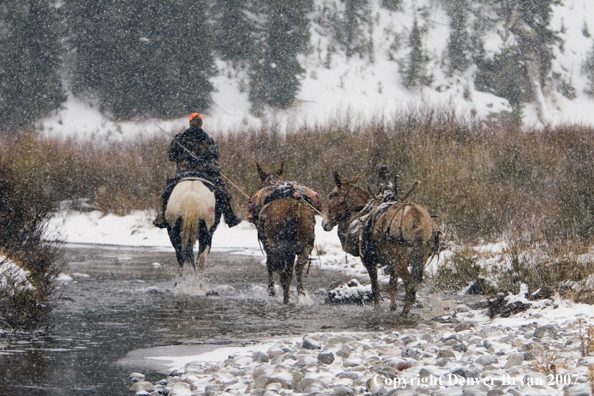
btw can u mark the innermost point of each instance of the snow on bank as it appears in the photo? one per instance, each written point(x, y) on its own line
point(13, 277)
point(537, 352)
point(136, 229)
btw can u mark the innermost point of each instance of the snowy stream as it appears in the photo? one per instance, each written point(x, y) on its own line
point(119, 309)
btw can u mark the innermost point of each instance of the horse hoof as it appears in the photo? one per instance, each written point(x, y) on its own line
point(271, 293)
point(392, 307)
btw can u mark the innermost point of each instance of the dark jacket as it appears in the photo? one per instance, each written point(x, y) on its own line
point(204, 149)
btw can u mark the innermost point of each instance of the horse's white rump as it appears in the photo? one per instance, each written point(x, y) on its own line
point(193, 202)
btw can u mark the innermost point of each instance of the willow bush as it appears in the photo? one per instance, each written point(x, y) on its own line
point(478, 177)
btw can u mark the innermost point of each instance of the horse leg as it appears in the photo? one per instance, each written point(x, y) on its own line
point(302, 260)
point(204, 243)
point(175, 238)
point(286, 276)
point(270, 267)
point(397, 268)
point(375, 288)
point(409, 284)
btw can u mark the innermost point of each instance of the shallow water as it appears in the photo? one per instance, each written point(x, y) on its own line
point(121, 308)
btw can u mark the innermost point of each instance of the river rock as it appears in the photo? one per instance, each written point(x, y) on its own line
point(344, 352)
point(410, 353)
point(486, 360)
point(274, 352)
point(142, 386)
point(135, 377)
point(514, 360)
point(309, 343)
point(260, 357)
point(445, 353)
point(310, 385)
point(343, 391)
point(545, 331)
point(326, 357)
point(214, 388)
point(352, 362)
point(180, 389)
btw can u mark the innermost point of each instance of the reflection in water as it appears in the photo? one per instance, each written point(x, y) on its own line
point(126, 303)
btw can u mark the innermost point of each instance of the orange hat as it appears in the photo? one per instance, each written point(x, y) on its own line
point(194, 115)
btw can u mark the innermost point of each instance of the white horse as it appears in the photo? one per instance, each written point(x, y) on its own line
point(191, 216)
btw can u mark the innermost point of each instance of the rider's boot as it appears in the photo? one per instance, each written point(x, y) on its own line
point(230, 218)
point(223, 196)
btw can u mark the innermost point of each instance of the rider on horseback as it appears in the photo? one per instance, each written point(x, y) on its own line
point(201, 163)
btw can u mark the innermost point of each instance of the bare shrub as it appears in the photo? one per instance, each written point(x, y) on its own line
point(462, 269)
point(549, 362)
point(478, 177)
point(587, 339)
point(24, 209)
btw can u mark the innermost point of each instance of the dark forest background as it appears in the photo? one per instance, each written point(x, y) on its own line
point(156, 57)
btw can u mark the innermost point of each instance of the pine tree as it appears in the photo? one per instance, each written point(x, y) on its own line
point(506, 76)
point(233, 30)
point(414, 72)
point(30, 63)
point(588, 70)
point(350, 27)
point(392, 5)
point(528, 22)
point(142, 58)
point(275, 70)
point(459, 47)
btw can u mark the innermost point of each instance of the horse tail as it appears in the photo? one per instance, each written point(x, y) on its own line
point(416, 259)
point(287, 243)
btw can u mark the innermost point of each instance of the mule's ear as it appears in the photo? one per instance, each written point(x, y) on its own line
point(356, 179)
point(337, 179)
point(263, 175)
point(280, 170)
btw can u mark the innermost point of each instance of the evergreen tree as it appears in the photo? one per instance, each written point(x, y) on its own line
point(233, 29)
point(521, 70)
point(528, 21)
point(414, 73)
point(275, 71)
point(30, 63)
point(459, 46)
point(142, 58)
point(392, 5)
point(350, 26)
point(588, 70)
point(506, 76)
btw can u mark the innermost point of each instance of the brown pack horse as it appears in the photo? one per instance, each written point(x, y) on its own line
point(286, 229)
point(403, 235)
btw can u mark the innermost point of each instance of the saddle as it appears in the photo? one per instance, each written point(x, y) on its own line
point(356, 239)
point(279, 191)
point(193, 175)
